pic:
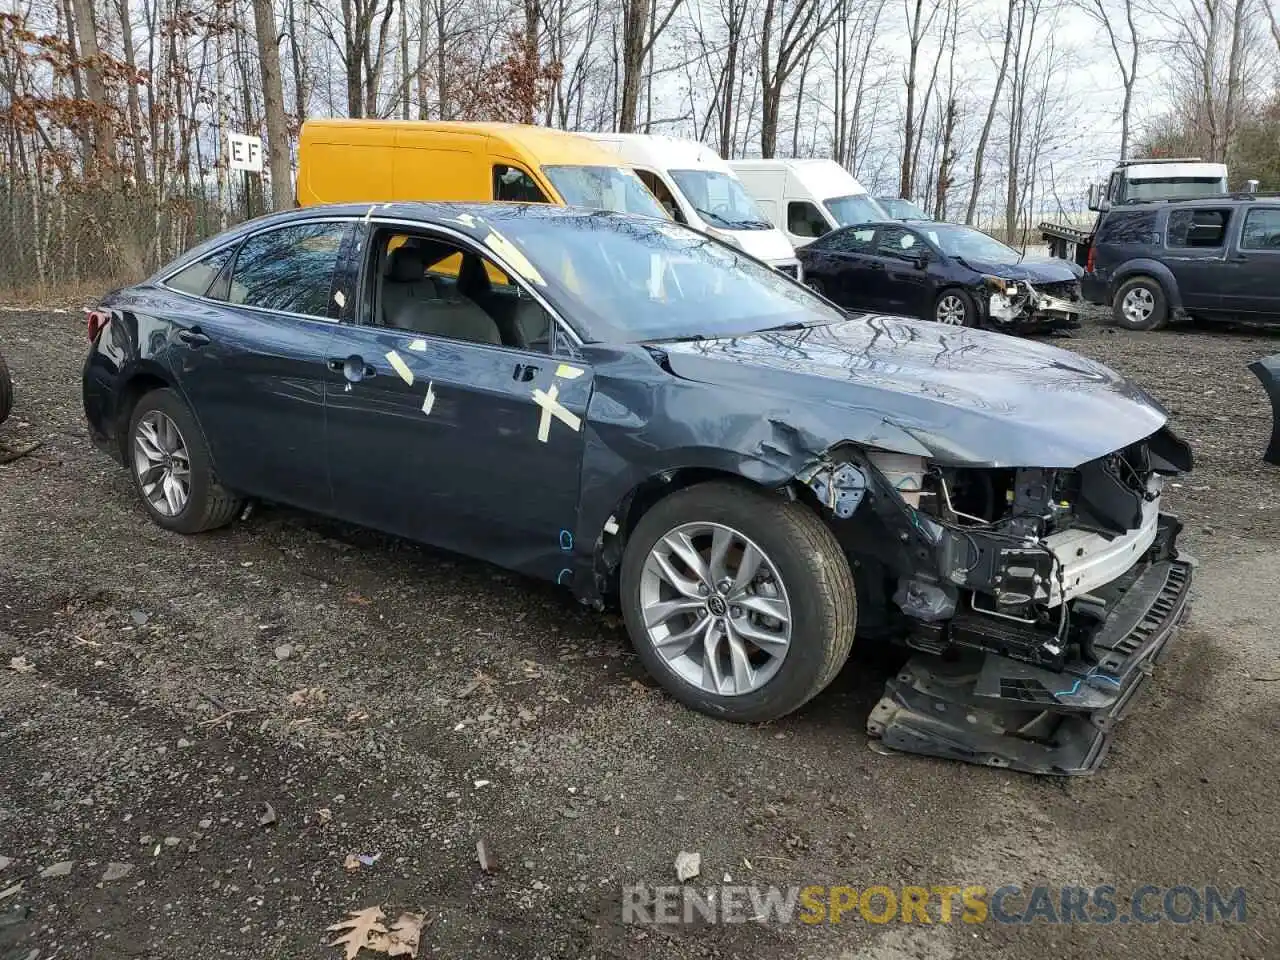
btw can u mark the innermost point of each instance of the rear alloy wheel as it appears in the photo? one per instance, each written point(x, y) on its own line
point(171, 467)
point(739, 603)
point(1140, 304)
point(955, 309)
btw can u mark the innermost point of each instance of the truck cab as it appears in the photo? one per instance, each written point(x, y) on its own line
point(1141, 181)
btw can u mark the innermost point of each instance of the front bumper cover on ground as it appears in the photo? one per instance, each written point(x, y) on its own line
point(989, 709)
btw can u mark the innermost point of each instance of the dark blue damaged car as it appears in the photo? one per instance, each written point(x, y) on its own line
point(656, 421)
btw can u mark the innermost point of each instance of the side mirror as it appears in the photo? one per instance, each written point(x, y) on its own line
point(922, 261)
point(1095, 196)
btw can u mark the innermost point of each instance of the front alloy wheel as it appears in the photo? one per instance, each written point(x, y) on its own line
point(950, 310)
point(738, 601)
point(715, 608)
point(162, 464)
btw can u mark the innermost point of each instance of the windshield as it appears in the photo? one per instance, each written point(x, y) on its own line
point(604, 188)
point(636, 279)
point(901, 209)
point(1175, 188)
point(957, 241)
point(854, 209)
point(720, 200)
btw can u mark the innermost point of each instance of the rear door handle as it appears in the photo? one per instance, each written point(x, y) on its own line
point(524, 372)
point(876, 265)
point(194, 337)
point(353, 368)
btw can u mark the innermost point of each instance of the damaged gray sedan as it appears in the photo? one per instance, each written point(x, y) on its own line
point(657, 421)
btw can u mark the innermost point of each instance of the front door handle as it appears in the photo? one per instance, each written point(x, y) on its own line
point(195, 337)
point(353, 368)
point(524, 372)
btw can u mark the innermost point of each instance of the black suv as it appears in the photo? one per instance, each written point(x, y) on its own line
point(1214, 258)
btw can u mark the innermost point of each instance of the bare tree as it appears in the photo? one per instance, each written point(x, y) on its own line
point(641, 27)
point(1116, 18)
point(264, 19)
point(979, 157)
point(797, 30)
point(918, 22)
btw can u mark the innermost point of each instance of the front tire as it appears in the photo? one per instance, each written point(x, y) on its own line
point(171, 468)
point(1140, 304)
point(740, 604)
point(955, 308)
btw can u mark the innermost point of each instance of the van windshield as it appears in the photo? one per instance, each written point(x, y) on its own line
point(604, 188)
point(720, 200)
point(1175, 188)
point(854, 209)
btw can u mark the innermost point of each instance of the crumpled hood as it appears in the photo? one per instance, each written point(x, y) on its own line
point(1042, 271)
point(960, 396)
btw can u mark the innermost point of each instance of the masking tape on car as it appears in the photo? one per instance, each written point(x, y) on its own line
point(400, 367)
point(418, 346)
point(429, 400)
point(508, 251)
point(340, 298)
point(567, 372)
point(551, 407)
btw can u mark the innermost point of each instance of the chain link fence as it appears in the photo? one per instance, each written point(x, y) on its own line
point(71, 240)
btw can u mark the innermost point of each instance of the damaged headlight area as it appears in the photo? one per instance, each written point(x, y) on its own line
point(1018, 303)
point(1036, 599)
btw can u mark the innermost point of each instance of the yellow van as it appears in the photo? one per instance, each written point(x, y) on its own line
point(354, 161)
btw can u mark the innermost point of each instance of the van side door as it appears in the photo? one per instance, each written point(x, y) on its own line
point(1251, 289)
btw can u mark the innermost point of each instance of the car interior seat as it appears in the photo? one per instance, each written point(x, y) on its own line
point(412, 301)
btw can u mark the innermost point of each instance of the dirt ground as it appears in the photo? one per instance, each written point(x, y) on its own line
point(388, 700)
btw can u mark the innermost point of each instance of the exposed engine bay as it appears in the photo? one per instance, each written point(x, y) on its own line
point(1036, 598)
point(1022, 304)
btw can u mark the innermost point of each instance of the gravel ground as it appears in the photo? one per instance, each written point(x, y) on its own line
point(385, 699)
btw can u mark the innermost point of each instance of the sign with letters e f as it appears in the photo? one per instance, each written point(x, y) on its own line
point(246, 152)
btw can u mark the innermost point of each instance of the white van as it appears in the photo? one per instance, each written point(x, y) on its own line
point(806, 198)
point(698, 188)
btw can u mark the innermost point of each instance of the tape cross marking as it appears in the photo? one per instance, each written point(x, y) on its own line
point(552, 407)
point(400, 367)
point(567, 372)
point(430, 400)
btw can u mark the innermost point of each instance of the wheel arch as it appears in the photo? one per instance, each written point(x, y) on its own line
point(1153, 269)
point(143, 379)
point(611, 539)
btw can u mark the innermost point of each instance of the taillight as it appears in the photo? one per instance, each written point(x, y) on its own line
point(1090, 260)
point(96, 321)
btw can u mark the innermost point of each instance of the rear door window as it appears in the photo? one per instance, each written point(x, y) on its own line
point(1261, 229)
point(290, 269)
point(897, 242)
point(852, 240)
point(805, 220)
point(1204, 229)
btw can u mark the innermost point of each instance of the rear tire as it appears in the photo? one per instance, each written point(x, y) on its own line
point(172, 471)
point(6, 391)
point(803, 575)
point(1140, 304)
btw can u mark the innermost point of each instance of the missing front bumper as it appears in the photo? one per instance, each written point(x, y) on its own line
point(988, 709)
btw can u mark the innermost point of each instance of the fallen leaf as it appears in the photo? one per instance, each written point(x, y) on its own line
point(363, 929)
point(357, 598)
point(308, 697)
point(402, 940)
point(688, 865)
point(267, 814)
point(352, 862)
point(324, 816)
point(21, 664)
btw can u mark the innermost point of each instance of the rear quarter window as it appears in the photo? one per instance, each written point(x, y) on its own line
point(1128, 226)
